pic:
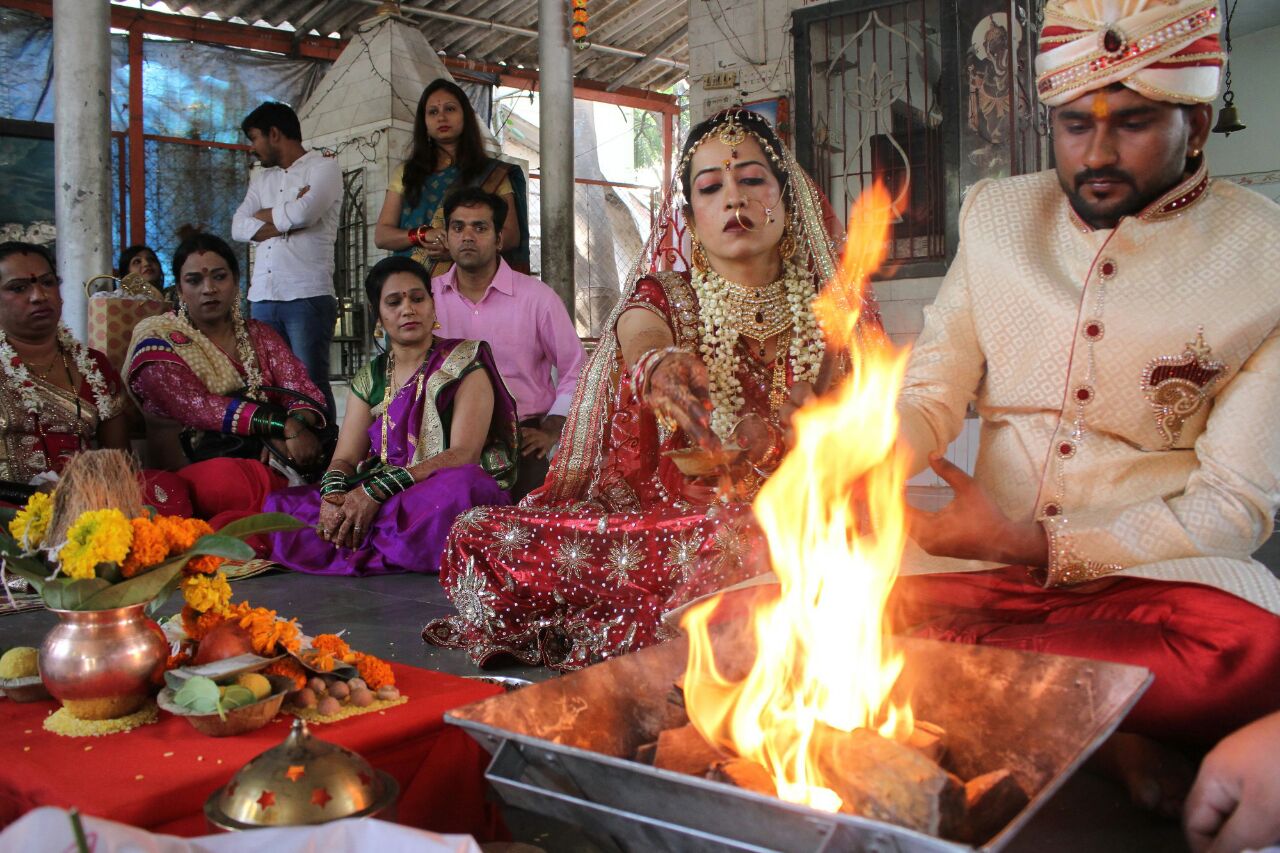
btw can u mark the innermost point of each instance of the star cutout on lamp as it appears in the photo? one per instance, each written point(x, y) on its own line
point(295, 772)
point(320, 797)
point(267, 800)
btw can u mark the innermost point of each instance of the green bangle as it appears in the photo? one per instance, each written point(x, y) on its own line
point(267, 421)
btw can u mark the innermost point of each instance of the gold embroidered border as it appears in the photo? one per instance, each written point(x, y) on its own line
point(1065, 566)
point(431, 433)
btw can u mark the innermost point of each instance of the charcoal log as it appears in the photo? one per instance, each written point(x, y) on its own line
point(744, 774)
point(991, 801)
point(884, 780)
point(684, 750)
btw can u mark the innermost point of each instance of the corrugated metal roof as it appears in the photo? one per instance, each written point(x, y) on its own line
point(642, 43)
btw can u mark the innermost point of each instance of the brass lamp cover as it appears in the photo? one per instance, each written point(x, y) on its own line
point(302, 781)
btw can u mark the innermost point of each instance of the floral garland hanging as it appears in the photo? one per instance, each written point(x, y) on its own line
point(720, 338)
point(579, 28)
point(18, 375)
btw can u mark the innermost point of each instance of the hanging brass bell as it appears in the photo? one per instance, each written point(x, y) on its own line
point(1228, 121)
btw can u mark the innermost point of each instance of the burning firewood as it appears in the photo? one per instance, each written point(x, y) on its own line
point(684, 750)
point(882, 779)
point(992, 800)
point(744, 774)
point(930, 740)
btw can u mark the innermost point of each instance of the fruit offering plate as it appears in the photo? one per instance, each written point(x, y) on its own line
point(235, 721)
point(29, 689)
point(218, 670)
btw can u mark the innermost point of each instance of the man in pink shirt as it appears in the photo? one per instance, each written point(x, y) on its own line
point(521, 318)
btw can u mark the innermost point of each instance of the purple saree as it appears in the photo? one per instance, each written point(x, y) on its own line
point(410, 529)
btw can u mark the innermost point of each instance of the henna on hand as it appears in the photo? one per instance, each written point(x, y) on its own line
point(679, 390)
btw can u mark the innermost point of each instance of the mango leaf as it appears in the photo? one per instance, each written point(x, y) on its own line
point(7, 514)
point(263, 522)
point(65, 594)
point(159, 582)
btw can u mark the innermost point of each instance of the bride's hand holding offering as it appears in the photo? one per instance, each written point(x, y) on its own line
point(678, 392)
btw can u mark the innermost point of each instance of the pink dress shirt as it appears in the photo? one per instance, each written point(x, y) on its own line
point(530, 331)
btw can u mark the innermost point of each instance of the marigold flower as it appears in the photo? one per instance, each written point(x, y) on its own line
point(331, 643)
point(207, 593)
point(206, 564)
point(149, 548)
point(182, 533)
point(376, 673)
point(32, 521)
point(266, 631)
point(198, 625)
point(97, 536)
point(289, 668)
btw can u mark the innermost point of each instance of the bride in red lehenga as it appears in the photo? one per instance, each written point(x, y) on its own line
point(587, 565)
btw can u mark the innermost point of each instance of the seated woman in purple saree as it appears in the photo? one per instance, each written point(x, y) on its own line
point(430, 431)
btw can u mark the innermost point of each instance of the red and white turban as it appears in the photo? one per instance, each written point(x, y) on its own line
point(1166, 50)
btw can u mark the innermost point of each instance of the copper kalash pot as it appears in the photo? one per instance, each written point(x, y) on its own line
point(103, 664)
point(300, 782)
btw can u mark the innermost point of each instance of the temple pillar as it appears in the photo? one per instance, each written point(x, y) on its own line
point(555, 99)
point(81, 149)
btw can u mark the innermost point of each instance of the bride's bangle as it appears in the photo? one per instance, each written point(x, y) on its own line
point(642, 370)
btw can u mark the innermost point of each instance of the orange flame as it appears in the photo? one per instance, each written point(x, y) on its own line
point(833, 514)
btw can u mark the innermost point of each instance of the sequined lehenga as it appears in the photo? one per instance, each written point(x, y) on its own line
point(585, 568)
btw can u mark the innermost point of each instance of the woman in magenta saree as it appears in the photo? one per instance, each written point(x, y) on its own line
point(410, 461)
point(702, 362)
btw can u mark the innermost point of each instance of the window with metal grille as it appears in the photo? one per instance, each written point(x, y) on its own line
point(927, 96)
point(351, 265)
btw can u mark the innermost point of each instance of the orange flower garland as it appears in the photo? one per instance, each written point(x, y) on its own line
point(376, 673)
point(579, 28)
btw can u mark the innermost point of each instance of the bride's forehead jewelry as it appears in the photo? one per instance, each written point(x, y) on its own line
point(732, 133)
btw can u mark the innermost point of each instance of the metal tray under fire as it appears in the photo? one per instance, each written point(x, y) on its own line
point(563, 747)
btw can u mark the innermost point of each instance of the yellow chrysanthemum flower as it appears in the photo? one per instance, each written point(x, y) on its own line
point(32, 521)
point(207, 593)
point(98, 536)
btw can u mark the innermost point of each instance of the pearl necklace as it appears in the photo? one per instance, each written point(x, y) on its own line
point(720, 316)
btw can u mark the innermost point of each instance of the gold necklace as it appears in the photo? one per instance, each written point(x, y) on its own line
point(758, 312)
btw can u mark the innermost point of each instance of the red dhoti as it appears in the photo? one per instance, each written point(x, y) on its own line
point(1216, 657)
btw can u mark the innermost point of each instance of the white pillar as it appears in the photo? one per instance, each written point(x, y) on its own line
point(555, 113)
point(81, 149)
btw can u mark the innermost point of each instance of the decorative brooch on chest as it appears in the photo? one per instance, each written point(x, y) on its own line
point(1178, 385)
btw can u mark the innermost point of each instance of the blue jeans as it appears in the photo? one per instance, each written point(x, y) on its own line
point(307, 327)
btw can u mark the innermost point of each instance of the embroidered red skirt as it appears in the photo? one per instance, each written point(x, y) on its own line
point(1216, 657)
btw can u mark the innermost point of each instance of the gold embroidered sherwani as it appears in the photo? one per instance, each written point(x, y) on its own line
point(1128, 380)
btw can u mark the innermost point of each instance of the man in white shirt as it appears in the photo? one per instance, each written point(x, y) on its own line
point(291, 211)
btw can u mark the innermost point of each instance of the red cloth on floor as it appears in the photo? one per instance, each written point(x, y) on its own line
point(1216, 657)
point(157, 777)
point(167, 492)
point(226, 490)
